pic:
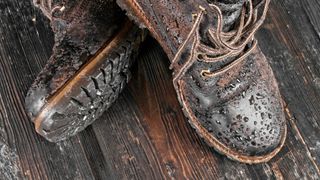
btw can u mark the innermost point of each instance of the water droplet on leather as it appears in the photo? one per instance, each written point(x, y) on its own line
point(251, 100)
point(243, 94)
point(246, 119)
point(271, 131)
point(222, 111)
point(260, 96)
point(239, 138)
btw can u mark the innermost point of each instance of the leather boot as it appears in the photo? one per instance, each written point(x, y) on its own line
point(95, 44)
point(223, 81)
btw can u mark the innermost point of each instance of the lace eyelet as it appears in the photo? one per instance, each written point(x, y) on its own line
point(200, 56)
point(57, 11)
point(205, 73)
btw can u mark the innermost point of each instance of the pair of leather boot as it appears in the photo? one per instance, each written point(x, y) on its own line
point(223, 81)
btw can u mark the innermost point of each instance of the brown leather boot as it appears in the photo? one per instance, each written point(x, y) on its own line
point(223, 81)
point(89, 66)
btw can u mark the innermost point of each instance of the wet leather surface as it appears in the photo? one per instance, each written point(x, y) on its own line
point(240, 108)
point(95, 44)
point(78, 36)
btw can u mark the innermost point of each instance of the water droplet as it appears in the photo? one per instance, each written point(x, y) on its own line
point(246, 119)
point(268, 127)
point(218, 122)
point(251, 100)
point(239, 138)
point(260, 96)
point(254, 132)
point(271, 131)
point(222, 111)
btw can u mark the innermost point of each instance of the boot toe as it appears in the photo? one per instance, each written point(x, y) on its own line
point(250, 124)
point(239, 113)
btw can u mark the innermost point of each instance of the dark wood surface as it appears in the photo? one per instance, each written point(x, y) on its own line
point(144, 135)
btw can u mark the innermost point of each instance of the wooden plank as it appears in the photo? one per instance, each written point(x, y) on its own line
point(145, 135)
point(292, 45)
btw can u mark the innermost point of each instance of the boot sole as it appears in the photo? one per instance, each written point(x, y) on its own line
point(92, 89)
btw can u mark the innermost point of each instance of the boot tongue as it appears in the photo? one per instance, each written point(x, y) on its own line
point(231, 10)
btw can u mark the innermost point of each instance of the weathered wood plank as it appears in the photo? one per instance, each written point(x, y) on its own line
point(145, 135)
point(291, 41)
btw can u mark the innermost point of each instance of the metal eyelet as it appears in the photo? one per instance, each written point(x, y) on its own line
point(206, 73)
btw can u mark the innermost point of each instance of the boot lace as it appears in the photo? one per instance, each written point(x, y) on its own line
point(233, 43)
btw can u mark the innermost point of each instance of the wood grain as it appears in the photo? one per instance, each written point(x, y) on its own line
point(145, 135)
